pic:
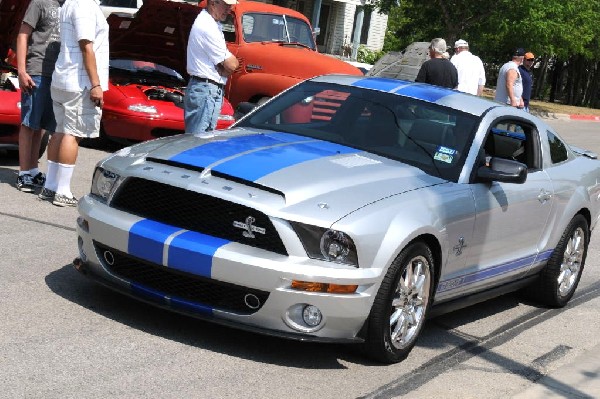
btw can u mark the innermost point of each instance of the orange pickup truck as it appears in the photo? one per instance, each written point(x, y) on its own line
point(276, 49)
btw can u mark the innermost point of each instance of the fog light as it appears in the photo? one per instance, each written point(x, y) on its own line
point(312, 315)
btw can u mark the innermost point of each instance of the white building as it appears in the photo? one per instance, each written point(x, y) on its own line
point(337, 20)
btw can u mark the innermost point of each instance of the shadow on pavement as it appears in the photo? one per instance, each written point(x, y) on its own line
point(67, 283)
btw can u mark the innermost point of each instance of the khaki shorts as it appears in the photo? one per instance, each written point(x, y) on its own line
point(75, 113)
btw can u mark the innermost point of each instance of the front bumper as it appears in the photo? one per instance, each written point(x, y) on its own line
point(239, 267)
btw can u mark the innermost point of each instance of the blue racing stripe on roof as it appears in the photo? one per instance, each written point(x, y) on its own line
point(147, 240)
point(209, 153)
point(424, 92)
point(378, 84)
point(257, 164)
point(193, 252)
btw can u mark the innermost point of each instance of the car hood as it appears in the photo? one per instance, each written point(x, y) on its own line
point(11, 15)
point(279, 173)
point(158, 33)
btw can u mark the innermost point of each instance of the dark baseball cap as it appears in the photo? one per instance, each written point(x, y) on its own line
point(519, 52)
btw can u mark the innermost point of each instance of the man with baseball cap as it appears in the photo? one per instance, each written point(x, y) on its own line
point(527, 76)
point(438, 70)
point(471, 74)
point(509, 86)
point(209, 63)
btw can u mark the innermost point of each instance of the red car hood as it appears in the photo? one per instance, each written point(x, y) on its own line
point(11, 15)
point(158, 33)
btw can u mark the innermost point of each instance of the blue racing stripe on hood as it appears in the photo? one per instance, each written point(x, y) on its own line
point(209, 153)
point(257, 164)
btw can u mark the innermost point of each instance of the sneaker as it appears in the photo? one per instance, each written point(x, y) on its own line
point(25, 183)
point(63, 200)
point(39, 179)
point(46, 194)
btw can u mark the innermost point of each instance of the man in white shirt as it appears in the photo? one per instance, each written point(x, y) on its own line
point(209, 63)
point(80, 77)
point(471, 74)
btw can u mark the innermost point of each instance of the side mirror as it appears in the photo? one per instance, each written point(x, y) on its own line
point(242, 109)
point(503, 170)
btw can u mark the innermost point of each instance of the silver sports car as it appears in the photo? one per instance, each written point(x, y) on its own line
point(346, 209)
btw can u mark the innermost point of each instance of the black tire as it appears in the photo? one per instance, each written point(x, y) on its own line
point(559, 278)
point(391, 342)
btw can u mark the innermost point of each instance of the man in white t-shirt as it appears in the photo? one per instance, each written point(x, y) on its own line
point(78, 83)
point(471, 74)
point(209, 63)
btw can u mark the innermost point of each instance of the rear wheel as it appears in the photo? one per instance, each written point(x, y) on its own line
point(401, 305)
point(560, 277)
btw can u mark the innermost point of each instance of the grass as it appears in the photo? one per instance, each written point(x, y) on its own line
point(553, 108)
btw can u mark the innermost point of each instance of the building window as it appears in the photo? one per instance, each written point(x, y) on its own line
point(364, 34)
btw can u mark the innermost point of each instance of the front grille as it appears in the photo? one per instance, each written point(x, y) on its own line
point(176, 284)
point(197, 212)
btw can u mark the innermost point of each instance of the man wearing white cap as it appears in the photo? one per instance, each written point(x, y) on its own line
point(209, 63)
point(471, 75)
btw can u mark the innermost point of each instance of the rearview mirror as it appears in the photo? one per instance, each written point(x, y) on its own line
point(503, 170)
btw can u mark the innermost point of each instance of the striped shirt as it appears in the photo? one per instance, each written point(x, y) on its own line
point(81, 20)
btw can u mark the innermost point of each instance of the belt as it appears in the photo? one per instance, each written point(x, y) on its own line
point(207, 80)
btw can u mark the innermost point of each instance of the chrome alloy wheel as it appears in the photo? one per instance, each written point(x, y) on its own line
point(410, 302)
point(570, 266)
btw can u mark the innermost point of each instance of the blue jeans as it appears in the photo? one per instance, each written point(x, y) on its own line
point(36, 106)
point(202, 106)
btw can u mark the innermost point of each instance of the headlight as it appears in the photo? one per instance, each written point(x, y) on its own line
point(146, 109)
point(104, 183)
point(327, 244)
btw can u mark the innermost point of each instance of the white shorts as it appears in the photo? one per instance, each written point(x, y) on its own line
point(75, 113)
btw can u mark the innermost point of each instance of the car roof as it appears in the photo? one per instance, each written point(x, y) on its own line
point(467, 103)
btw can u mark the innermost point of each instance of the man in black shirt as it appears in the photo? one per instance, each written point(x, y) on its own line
point(527, 77)
point(438, 70)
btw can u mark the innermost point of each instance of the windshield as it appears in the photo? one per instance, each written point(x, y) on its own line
point(434, 138)
point(276, 28)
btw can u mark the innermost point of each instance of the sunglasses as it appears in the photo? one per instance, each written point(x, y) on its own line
point(529, 59)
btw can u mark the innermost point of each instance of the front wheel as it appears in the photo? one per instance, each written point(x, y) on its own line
point(401, 305)
point(559, 279)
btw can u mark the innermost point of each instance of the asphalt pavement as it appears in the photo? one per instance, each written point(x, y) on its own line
point(580, 378)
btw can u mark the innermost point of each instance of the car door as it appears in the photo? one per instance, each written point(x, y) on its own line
point(510, 218)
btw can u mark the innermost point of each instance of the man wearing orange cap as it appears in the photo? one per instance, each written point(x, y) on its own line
point(527, 77)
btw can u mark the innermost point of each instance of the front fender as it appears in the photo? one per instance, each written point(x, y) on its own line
point(254, 85)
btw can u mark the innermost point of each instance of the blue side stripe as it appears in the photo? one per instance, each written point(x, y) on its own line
point(189, 306)
point(209, 153)
point(147, 239)
point(193, 252)
point(478, 276)
point(257, 164)
point(424, 92)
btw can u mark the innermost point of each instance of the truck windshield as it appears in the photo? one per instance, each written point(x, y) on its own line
point(259, 27)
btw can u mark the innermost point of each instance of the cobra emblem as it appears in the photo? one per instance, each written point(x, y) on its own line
point(249, 227)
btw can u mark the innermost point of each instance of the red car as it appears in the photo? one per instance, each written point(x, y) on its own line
point(147, 74)
point(10, 95)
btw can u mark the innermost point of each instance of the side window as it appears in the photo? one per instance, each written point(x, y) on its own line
point(513, 140)
point(229, 29)
point(558, 149)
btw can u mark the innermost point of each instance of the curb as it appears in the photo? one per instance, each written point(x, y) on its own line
point(574, 117)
